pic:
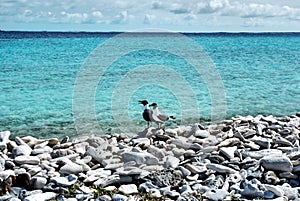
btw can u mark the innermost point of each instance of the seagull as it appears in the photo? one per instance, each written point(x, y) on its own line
point(159, 117)
point(147, 114)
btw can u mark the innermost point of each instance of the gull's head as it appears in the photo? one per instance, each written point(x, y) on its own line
point(154, 105)
point(144, 102)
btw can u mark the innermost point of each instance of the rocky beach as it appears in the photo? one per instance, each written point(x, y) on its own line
point(242, 158)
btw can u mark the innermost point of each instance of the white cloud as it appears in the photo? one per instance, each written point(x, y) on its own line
point(163, 13)
point(211, 6)
point(148, 19)
point(177, 8)
point(122, 18)
point(157, 5)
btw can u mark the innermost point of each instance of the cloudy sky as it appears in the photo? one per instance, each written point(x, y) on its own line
point(128, 15)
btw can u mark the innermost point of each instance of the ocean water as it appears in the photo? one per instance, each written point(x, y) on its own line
point(52, 82)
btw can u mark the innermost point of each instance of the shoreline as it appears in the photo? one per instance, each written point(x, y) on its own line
point(242, 158)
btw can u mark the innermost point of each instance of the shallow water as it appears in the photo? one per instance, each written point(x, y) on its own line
point(260, 74)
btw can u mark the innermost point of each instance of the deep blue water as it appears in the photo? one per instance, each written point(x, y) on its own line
point(260, 74)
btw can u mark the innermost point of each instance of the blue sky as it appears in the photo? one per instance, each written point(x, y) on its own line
point(130, 15)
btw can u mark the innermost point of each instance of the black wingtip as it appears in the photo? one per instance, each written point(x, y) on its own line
point(172, 117)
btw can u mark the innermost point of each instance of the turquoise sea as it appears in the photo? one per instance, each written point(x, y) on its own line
point(259, 73)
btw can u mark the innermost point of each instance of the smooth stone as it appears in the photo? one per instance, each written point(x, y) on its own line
point(171, 162)
point(4, 136)
point(32, 160)
point(281, 140)
point(171, 132)
point(5, 197)
point(119, 197)
point(220, 168)
point(269, 195)
point(65, 181)
point(111, 161)
point(2, 164)
point(71, 168)
point(128, 189)
point(167, 191)
point(228, 151)
point(291, 193)
point(97, 154)
point(251, 190)
point(140, 158)
point(274, 189)
point(216, 194)
point(261, 141)
point(44, 150)
point(41, 145)
point(229, 142)
point(147, 186)
point(104, 198)
point(141, 141)
point(195, 169)
point(261, 153)
point(81, 148)
point(53, 141)
point(202, 133)
point(185, 172)
point(38, 182)
point(34, 170)
point(159, 153)
point(22, 150)
point(288, 175)
point(41, 196)
point(180, 143)
point(110, 180)
point(277, 163)
point(98, 142)
point(186, 190)
point(192, 178)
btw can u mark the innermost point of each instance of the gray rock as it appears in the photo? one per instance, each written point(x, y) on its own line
point(140, 158)
point(38, 182)
point(202, 133)
point(171, 162)
point(104, 198)
point(128, 189)
point(277, 163)
point(71, 168)
point(185, 172)
point(32, 160)
point(228, 151)
point(119, 197)
point(103, 182)
point(261, 153)
point(2, 163)
point(141, 141)
point(261, 141)
point(186, 190)
point(221, 168)
point(159, 153)
point(275, 189)
point(196, 168)
point(4, 136)
point(216, 194)
point(65, 181)
point(41, 196)
point(181, 143)
point(43, 150)
point(22, 150)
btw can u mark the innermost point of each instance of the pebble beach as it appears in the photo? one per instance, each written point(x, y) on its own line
point(242, 158)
